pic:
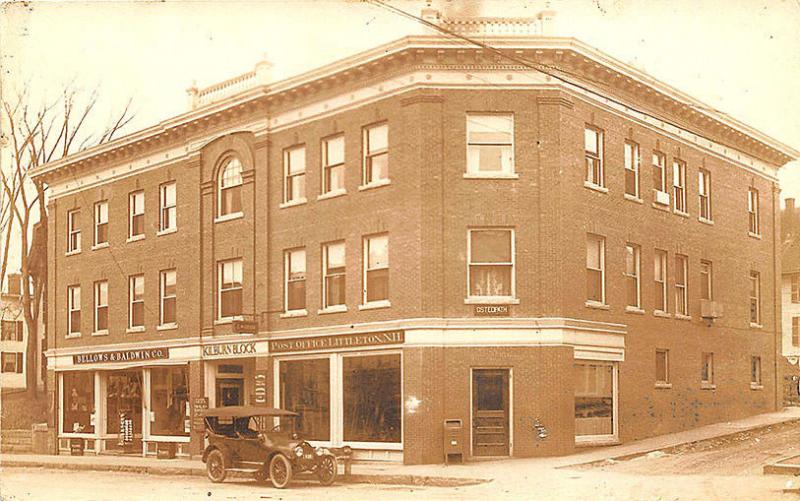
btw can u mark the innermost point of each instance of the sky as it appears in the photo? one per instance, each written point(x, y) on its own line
point(739, 56)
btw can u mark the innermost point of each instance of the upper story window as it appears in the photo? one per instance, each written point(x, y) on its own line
point(755, 298)
point(753, 211)
point(681, 285)
point(593, 147)
point(101, 307)
point(704, 193)
point(229, 289)
point(12, 362)
point(12, 330)
point(168, 310)
point(795, 331)
point(632, 163)
point(74, 310)
point(795, 280)
point(679, 185)
point(136, 301)
point(136, 214)
point(633, 275)
point(74, 231)
point(376, 269)
point(660, 173)
point(490, 145)
point(333, 164)
point(660, 274)
point(294, 175)
point(101, 223)
point(230, 188)
point(491, 263)
point(295, 276)
point(334, 283)
point(167, 219)
point(595, 269)
point(706, 280)
point(375, 148)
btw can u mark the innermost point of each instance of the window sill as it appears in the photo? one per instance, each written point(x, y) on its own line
point(167, 231)
point(135, 238)
point(133, 330)
point(229, 217)
point(663, 386)
point(661, 207)
point(227, 320)
point(375, 305)
point(707, 386)
point(375, 184)
point(597, 306)
point(339, 308)
point(756, 326)
point(293, 203)
point(104, 245)
point(754, 235)
point(681, 316)
point(680, 213)
point(706, 221)
point(491, 175)
point(633, 198)
point(635, 310)
point(294, 314)
point(100, 333)
point(73, 252)
point(756, 386)
point(595, 187)
point(166, 327)
point(491, 300)
point(76, 335)
point(332, 194)
point(662, 314)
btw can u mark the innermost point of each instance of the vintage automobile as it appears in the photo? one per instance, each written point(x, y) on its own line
point(262, 441)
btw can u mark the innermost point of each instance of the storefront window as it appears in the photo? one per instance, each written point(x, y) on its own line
point(372, 398)
point(594, 399)
point(124, 407)
point(306, 389)
point(169, 397)
point(78, 402)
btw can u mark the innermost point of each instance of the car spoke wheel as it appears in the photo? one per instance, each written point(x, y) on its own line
point(327, 470)
point(280, 471)
point(215, 466)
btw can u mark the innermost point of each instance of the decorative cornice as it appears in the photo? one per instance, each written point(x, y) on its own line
point(555, 100)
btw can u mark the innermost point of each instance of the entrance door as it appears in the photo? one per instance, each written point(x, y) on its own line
point(124, 411)
point(230, 392)
point(490, 412)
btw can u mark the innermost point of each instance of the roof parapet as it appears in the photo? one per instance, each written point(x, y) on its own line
point(261, 75)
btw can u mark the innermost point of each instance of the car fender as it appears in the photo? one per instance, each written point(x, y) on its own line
point(225, 452)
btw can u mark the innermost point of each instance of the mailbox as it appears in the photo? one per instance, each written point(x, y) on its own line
point(453, 440)
point(76, 446)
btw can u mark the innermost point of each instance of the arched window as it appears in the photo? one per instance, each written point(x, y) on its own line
point(230, 188)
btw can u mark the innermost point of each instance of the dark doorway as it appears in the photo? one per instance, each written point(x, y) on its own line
point(490, 412)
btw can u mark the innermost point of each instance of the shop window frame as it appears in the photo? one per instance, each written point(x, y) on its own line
point(613, 438)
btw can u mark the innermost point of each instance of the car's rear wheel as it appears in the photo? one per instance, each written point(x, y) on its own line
point(280, 471)
point(327, 470)
point(215, 466)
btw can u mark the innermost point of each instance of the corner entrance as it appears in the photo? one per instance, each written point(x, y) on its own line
point(490, 412)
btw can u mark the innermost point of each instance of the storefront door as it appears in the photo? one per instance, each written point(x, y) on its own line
point(490, 412)
point(230, 392)
point(124, 411)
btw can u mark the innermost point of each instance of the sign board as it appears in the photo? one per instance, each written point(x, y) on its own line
point(141, 355)
point(260, 387)
point(245, 326)
point(199, 406)
point(491, 310)
point(225, 349)
point(334, 342)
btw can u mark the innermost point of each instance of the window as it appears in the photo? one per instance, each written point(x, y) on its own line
point(704, 191)
point(168, 310)
point(230, 289)
point(73, 231)
point(230, 188)
point(101, 306)
point(662, 367)
point(795, 331)
point(490, 144)
point(333, 164)
point(136, 214)
point(593, 146)
point(595, 268)
point(632, 275)
point(679, 185)
point(136, 301)
point(755, 298)
point(659, 171)
point(11, 330)
point(169, 401)
point(660, 275)
point(74, 310)
point(295, 275)
point(594, 399)
point(305, 387)
point(101, 223)
point(755, 371)
point(12, 363)
point(333, 273)
point(707, 369)
point(376, 268)
point(78, 405)
point(372, 389)
point(168, 221)
point(632, 161)
point(376, 154)
point(706, 280)
point(491, 263)
point(294, 175)
point(795, 288)
point(681, 293)
point(752, 211)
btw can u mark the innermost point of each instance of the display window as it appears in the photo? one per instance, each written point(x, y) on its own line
point(306, 389)
point(595, 400)
point(78, 408)
point(169, 401)
point(372, 398)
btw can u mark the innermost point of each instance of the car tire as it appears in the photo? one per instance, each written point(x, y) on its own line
point(280, 471)
point(327, 470)
point(215, 466)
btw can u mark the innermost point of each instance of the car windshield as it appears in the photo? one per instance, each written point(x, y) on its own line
point(249, 426)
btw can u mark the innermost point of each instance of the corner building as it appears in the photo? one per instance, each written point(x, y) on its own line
point(558, 254)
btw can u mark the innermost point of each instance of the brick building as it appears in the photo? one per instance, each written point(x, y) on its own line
point(530, 237)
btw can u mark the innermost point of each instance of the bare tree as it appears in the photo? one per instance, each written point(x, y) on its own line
point(37, 135)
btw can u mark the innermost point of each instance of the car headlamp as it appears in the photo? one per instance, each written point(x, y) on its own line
point(298, 451)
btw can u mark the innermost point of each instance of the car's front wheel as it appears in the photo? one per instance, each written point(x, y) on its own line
point(215, 466)
point(327, 470)
point(280, 471)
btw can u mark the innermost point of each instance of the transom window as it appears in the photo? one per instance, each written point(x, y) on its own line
point(101, 223)
point(595, 268)
point(101, 306)
point(679, 185)
point(168, 307)
point(376, 154)
point(490, 144)
point(73, 231)
point(230, 289)
point(491, 263)
point(755, 298)
point(136, 214)
point(230, 188)
point(753, 211)
point(168, 213)
point(334, 274)
point(704, 193)
point(136, 301)
point(376, 268)
point(659, 171)
point(632, 275)
point(294, 174)
point(333, 164)
point(632, 161)
point(706, 280)
point(74, 310)
point(593, 147)
point(660, 274)
point(681, 286)
point(295, 286)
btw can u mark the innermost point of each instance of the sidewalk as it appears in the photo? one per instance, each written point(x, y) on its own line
point(430, 475)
